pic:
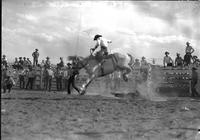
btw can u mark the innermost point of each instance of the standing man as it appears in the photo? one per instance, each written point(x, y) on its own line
point(167, 60)
point(194, 82)
point(25, 63)
point(47, 64)
point(4, 62)
point(31, 77)
point(188, 53)
point(35, 57)
point(21, 63)
point(59, 76)
point(178, 60)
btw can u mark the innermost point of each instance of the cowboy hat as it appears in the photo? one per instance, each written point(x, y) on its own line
point(97, 36)
point(36, 49)
point(177, 53)
point(166, 52)
point(187, 42)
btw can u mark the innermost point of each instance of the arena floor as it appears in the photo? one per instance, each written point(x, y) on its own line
point(35, 115)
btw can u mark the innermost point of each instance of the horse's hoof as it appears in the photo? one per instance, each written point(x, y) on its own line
point(82, 92)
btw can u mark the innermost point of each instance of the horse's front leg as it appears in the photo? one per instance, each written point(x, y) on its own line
point(86, 84)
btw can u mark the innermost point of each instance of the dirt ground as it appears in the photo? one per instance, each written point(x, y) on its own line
point(35, 115)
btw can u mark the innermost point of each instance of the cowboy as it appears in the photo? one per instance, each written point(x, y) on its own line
point(35, 57)
point(194, 81)
point(178, 60)
point(103, 43)
point(47, 64)
point(8, 83)
point(4, 62)
point(167, 60)
point(188, 53)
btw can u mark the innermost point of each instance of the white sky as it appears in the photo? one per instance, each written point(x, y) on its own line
point(63, 28)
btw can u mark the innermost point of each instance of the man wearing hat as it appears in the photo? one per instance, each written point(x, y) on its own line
point(178, 60)
point(167, 60)
point(47, 64)
point(21, 63)
point(25, 62)
point(4, 62)
point(188, 53)
point(35, 57)
point(194, 82)
point(66, 74)
point(103, 44)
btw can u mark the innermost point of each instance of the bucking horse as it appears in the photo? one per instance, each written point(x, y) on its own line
point(95, 68)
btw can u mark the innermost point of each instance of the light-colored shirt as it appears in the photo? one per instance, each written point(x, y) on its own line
point(102, 42)
point(167, 60)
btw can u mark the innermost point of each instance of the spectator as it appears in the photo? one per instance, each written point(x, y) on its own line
point(42, 63)
point(143, 61)
point(22, 75)
point(47, 64)
point(16, 64)
point(31, 77)
point(25, 64)
point(144, 68)
point(58, 76)
point(61, 64)
point(29, 61)
point(178, 60)
point(66, 75)
point(136, 64)
point(4, 62)
point(8, 83)
point(35, 57)
point(21, 62)
point(194, 82)
point(167, 60)
point(188, 53)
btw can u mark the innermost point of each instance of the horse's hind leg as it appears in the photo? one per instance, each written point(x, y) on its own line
point(85, 85)
point(125, 72)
